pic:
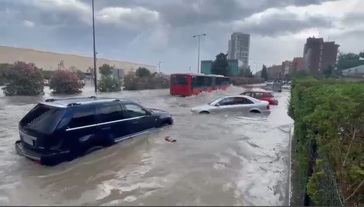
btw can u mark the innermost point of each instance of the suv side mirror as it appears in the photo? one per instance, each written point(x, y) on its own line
point(217, 104)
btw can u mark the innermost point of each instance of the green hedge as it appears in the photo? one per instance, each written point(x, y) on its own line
point(328, 146)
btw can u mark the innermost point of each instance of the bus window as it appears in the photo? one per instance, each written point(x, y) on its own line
point(194, 81)
point(213, 81)
point(219, 81)
point(226, 81)
point(199, 81)
point(207, 81)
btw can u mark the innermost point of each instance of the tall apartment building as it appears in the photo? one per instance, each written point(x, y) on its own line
point(239, 47)
point(319, 55)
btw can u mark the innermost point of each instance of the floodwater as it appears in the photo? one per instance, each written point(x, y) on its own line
point(225, 159)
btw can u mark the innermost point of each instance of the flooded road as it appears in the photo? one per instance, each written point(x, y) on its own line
point(230, 159)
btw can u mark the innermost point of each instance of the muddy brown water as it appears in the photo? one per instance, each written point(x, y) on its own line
point(225, 159)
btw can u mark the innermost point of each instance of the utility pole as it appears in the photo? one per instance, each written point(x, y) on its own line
point(94, 47)
point(198, 50)
point(159, 66)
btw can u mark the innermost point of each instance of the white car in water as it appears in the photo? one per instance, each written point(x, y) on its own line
point(239, 103)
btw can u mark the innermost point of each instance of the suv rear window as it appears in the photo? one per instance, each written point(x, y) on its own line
point(42, 118)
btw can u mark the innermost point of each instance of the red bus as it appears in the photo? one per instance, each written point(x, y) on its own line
point(187, 84)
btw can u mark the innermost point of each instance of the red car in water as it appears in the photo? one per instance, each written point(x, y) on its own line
point(262, 95)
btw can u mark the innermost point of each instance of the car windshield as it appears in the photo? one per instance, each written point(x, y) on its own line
point(42, 118)
point(211, 102)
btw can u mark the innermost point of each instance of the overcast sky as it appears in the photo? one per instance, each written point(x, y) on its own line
point(149, 31)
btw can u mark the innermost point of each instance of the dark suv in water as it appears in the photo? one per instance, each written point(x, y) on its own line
point(62, 129)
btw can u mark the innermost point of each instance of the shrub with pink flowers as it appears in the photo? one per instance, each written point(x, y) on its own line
point(65, 82)
point(23, 79)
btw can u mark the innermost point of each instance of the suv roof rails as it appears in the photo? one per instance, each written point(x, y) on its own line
point(73, 104)
point(60, 99)
point(50, 100)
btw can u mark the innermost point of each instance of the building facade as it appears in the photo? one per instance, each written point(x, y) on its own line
point(297, 64)
point(239, 47)
point(275, 72)
point(286, 67)
point(206, 67)
point(319, 55)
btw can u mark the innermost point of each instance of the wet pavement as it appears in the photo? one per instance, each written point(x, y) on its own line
point(225, 159)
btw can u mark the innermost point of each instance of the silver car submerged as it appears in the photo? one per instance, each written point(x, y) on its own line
point(238, 103)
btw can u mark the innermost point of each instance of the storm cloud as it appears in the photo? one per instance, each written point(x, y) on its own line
point(149, 31)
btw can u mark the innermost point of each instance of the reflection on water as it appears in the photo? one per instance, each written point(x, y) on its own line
point(226, 159)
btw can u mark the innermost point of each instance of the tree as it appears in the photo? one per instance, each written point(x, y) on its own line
point(220, 66)
point(47, 74)
point(246, 72)
point(108, 83)
point(361, 55)
point(24, 79)
point(61, 65)
point(106, 70)
point(349, 60)
point(155, 81)
point(264, 73)
point(4, 70)
point(328, 72)
point(65, 82)
point(81, 75)
point(142, 72)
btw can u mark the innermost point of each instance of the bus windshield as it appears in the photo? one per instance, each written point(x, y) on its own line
point(179, 80)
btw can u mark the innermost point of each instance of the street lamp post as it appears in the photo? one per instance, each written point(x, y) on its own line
point(198, 50)
point(159, 66)
point(94, 47)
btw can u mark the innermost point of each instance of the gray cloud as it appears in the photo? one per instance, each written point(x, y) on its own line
point(148, 31)
point(280, 22)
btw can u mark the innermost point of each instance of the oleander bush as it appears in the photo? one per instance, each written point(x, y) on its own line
point(65, 82)
point(23, 79)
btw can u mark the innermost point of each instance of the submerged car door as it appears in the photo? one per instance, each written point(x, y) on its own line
point(242, 104)
point(82, 131)
point(226, 104)
point(112, 123)
point(139, 118)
